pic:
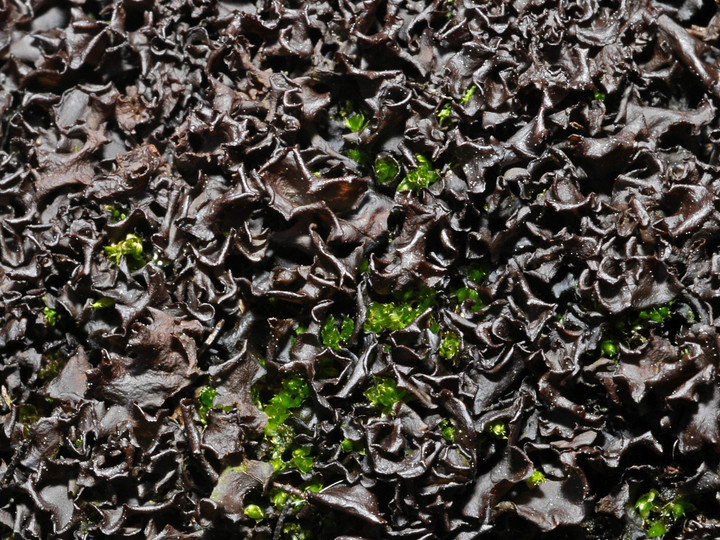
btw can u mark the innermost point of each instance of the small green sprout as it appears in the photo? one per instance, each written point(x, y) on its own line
point(444, 113)
point(477, 275)
point(656, 529)
point(253, 511)
point(657, 314)
point(599, 96)
point(364, 267)
point(131, 246)
point(205, 402)
point(346, 445)
point(386, 169)
point(116, 214)
point(421, 177)
point(334, 338)
point(447, 429)
point(358, 155)
point(536, 478)
point(609, 348)
point(497, 429)
point(51, 316)
point(464, 294)
point(355, 122)
point(467, 96)
point(103, 303)
point(449, 346)
point(385, 393)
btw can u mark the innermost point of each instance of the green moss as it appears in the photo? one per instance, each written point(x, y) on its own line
point(295, 531)
point(609, 348)
point(467, 96)
point(356, 154)
point(536, 478)
point(116, 214)
point(497, 429)
point(51, 316)
point(447, 429)
point(346, 445)
point(302, 460)
point(449, 346)
point(420, 177)
point(399, 314)
point(657, 514)
point(279, 436)
point(384, 394)
point(471, 296)
point(599, 96)
point(294, 391)
point(477, 274)
point(253, 511)
point(205, 401)
point(386, 169)
point(355, 122)
point(335, 337)
point(444, 113)
point(131, 247)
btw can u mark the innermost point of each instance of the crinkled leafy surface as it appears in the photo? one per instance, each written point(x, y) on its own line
point(188, 195)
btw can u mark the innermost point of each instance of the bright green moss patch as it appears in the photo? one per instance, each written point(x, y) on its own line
point(253, 511)
point(280, 438)
point(471, 296)
point(658, 514)
point(397, 315)
point(205, 402)
point(294, 391)
point(385, 393)
point(386, 169)
point(444, 113)
point(302, 460)
point(467, 96)
point(609, 348)
point(51, 316)
point(421, 177)
point(599, 96)
point(449, 346)
point(353, 120)
point(335, 337)
point(536, 478)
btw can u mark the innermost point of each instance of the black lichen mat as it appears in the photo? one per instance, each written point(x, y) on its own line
point(388, 269)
